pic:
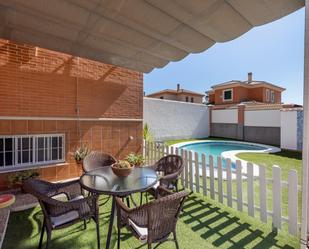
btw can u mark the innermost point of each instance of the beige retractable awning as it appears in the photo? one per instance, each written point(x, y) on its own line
point(136, 34)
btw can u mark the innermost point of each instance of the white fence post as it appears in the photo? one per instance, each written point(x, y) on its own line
point(220, 187)
point(197, 172)
point(182, 153)
point(191, 171)
point(229, 183)
point(250, 189)
point(292, 201)
point(212, 177)
point(263, 192)
point(239, 185)
point(186, 169)
point(277, 197)
point(204, 175)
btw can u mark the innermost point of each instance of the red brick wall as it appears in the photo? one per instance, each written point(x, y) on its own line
point(36, 82)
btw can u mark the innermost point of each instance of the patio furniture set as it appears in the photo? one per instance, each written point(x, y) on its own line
point(64, 204)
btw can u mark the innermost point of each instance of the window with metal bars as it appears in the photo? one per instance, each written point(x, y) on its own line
point(29, 150)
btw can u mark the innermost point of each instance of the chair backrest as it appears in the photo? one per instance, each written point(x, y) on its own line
point(96, 160)
point(43, 191)
point(163, 214)
point(169, 164)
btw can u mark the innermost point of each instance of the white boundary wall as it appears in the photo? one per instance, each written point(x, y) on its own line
point(289, 130)
point(176, 120)
point(226, 116)
point(263, 118)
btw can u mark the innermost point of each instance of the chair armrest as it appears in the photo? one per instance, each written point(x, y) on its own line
point(82, 206)
point(162, 192)
point(170, 177)
point(138, 215)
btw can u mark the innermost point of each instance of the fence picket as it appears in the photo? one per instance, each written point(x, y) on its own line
point(292, 201)
point(239, 185)
point(263, 192)
point(204, 175)
point(170, 150)
point(182, 153)
point(250, 187)
point(220, 187)
point(166, 150)
point(186, 169)
point(212, 177)
point(197, 172)
point(152, 150)
point(229, 183)
point(277, 197)
point(146, 153)
point(191, 170)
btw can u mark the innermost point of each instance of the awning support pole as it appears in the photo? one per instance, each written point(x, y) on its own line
point(305, 161)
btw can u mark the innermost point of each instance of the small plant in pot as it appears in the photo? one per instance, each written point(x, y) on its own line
point(16, 179)
point(80, 154)
point(136, 160)
point(122, 168)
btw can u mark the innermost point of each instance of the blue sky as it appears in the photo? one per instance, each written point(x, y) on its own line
point(273, 52)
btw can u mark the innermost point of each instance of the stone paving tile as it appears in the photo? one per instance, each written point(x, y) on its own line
point(22, 202)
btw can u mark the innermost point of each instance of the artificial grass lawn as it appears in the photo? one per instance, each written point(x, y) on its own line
point(203, 224)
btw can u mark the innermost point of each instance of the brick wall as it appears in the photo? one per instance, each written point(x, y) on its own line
point(38, 85)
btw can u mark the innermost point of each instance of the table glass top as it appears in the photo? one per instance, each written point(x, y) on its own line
point(104, 181)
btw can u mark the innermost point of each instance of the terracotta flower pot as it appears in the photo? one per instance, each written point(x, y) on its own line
point(122, 172)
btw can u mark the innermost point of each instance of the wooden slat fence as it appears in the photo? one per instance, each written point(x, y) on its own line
point(230, 184)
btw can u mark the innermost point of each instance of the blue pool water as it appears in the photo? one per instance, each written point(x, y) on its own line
point(216, 148)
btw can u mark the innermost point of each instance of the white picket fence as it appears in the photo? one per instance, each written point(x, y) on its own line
point(225, 184)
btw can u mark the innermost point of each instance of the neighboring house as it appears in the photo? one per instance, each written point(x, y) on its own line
point(178, 95)
point(51, 103)
point(235, 92)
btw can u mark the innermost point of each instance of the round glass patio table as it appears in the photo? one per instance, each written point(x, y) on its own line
point(104, 181)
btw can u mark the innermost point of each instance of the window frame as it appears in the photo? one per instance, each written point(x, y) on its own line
point(272, 96)
point(34, 163)
point(223, 95)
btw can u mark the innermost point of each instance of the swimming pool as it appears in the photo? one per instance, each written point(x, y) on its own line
point(224, 149)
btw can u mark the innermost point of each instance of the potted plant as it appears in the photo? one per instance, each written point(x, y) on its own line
point(16, 179)
point(147, 133)
point(122, 168)
point(80, 154)
point(135, 159)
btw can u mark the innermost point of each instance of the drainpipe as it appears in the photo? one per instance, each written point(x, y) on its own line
point(305, 161)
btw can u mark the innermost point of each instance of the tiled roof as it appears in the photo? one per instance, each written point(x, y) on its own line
point(172, 91)
point(246, 84)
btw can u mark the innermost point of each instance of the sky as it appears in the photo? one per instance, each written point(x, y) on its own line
point(273, 52)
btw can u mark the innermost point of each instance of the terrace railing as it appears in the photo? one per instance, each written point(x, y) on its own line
point(262, 195)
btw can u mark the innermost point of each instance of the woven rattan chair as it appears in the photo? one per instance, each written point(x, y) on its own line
point(170, 168)
point(96, 160)
point(63, 205)
point(152, 222)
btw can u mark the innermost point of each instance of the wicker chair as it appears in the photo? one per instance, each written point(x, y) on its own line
point(96, 160)
point(152, 222)
point(59, 213)
point(170, 167)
